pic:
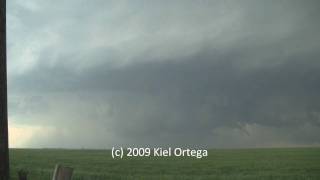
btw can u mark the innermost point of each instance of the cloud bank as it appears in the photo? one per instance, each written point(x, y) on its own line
point(199, 73)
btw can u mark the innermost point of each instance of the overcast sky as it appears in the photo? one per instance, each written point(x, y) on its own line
point(215, 74)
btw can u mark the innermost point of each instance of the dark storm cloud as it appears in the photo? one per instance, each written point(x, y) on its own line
point(204, 74)
point(195, 96)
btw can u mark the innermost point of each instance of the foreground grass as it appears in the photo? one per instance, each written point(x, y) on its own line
point(276, 164)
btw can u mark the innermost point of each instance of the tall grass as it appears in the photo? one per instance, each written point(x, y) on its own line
point(237, 164)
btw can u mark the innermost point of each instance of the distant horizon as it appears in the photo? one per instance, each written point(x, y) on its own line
point(209, 149)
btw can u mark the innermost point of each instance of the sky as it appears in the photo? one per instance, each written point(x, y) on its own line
point(205, 73)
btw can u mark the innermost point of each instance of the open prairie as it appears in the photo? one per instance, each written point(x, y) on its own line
point(278, 163)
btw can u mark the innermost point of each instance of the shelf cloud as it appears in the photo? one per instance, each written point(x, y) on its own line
point(97, 74)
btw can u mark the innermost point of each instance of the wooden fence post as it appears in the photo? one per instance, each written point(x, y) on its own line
point(4, 149)
point(23, 174)
point(62, 173)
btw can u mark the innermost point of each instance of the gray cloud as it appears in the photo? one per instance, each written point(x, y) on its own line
point(201, 73)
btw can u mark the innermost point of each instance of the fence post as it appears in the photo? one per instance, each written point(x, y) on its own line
point(4, 149)
point(23, 174)
point(62, 173)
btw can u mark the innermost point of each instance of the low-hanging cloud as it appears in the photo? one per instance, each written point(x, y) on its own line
point(201, 73)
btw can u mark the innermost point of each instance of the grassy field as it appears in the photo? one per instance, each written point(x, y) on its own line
point(288, 163)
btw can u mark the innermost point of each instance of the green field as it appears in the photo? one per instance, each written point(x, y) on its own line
point(284, 163)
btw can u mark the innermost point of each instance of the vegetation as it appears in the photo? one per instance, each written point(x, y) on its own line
point(228, 164)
